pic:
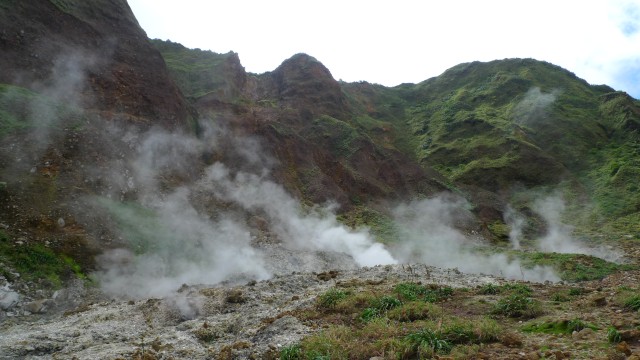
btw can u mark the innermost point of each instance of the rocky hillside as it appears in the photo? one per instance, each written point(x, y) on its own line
point(154, 197)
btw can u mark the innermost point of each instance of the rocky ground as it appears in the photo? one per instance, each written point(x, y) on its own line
point(256, 320)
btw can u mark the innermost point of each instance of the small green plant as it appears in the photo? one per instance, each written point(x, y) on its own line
point(559, 297)
point(517, 306)
point(518, 289)
point(632, 303)
point(331, 298)
point(379, 307)
point(292, 352)
point(576, 291)
point(489, 289)
point(205, 334)
point(428, 342)
point(415, 310)
point(410, 291)
point(370, 313)
point(576, 325)
point(459, 332)
point(613, 335)
point(386, 303)
point(438, 294)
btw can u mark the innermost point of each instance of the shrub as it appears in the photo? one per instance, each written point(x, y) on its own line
point(459, 332)
point(415, 310)
point(632, 303)
point(487, 330)
point(426, 343)
point(292, 352)
point(438, 294)
point(386, 303)
point(576, 291)
point(559, 297)
point(370, 313)
point(517, 306)
point(518, 289)
point(330, 299)
point(613, 335)
point(409, 291)
point(489, 289)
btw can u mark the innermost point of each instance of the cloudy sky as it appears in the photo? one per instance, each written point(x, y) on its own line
point(391, 42)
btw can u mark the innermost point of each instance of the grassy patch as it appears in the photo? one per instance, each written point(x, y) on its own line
point(558, 327)
point(632, 303)
point(574, 267)
point(196, 72)
point(36, 261)
point(330, 299)
point(518, 306)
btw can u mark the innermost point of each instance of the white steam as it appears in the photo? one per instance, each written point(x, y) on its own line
point(430, 237)
point(315, 229)
point(175, 237)
point(515, 222)
point(559, 237)
point(533, 107)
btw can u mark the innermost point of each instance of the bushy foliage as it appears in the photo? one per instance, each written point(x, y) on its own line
point(517, 306)
point(330, 298)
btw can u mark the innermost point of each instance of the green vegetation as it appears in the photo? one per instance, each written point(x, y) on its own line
point(489, 289)
point(558, 327)
point(199, 72)
point(613, 335)
point(399, 320)
point(290, 352)
point(35, 261)
point(331, 298)
point(574, 267)
point(22, 109)
point(632, 303)
point(518, 306)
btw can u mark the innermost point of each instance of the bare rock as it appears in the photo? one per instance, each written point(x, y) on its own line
point(630, 335)
point(599, 301)
point(36, 307)
point(623, 347)
point(534, 355)
point(586, 333)
point(8, 299)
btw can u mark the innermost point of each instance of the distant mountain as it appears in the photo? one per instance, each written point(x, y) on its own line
point(490, 131)
point(81, 87)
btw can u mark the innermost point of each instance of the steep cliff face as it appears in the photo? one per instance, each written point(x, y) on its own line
point(304, 119)
point(69, 72)
point(93, 53)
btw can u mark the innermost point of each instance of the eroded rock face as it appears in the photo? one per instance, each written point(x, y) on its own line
point(93, 54)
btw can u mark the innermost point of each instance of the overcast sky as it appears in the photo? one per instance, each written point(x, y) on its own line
point(392, 42)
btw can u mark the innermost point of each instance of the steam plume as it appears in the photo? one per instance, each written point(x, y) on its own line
point(430, 237)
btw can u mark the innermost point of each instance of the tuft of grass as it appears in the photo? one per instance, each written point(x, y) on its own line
point(576, 291)
point(331, 298)
point(292, 352)
point(206, 334)
point(409, 291)
point(426, 343)
point(489, 289)
point(613, 335)
point(415, 310)
point(379, 307)
point(518, 306)
point(632, 303)
point(559, 297)
point(518, 289)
